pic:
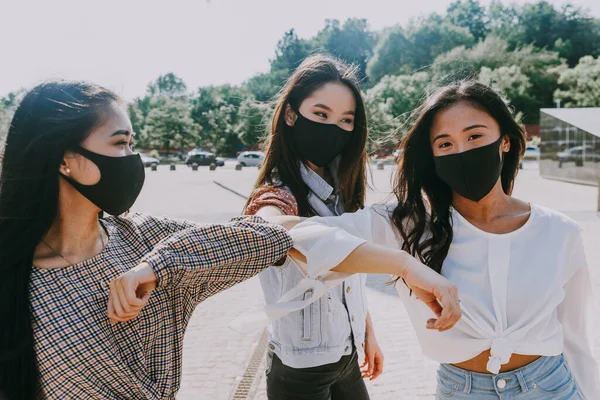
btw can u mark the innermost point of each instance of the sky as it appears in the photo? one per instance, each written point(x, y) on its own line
point(126, 44)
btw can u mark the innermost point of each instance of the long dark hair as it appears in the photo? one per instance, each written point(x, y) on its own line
point(423, 213)
point(52, 118)
point(282, 161)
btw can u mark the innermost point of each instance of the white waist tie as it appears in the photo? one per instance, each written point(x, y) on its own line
point(501, 351)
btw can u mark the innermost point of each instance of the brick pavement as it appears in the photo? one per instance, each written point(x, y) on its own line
point(215, 357)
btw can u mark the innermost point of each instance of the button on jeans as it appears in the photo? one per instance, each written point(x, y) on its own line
point(545, 378)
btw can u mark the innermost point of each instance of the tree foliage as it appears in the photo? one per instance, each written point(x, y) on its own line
point(469, 14)
point(170, 125)
point(352, 42)
point(580, 86)
point(403, 51)
point(8, 105)
point(390, 103)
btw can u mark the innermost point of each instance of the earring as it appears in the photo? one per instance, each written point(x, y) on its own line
point(68, 170)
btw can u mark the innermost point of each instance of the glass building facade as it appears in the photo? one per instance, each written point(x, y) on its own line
point(570, 146)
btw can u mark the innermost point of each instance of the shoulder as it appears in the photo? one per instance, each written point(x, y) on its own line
point(275, 196)
point(552, 219)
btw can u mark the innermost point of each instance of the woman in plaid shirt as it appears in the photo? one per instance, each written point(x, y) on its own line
point(69, 156)
point(72, 286)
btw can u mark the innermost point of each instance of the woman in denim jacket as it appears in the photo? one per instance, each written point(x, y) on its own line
point(315, 164)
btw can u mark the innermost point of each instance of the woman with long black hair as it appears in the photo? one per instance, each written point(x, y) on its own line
point(68, 157)
point(520, 268)
point(315, 164)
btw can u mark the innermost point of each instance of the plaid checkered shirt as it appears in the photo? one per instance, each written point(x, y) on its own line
point(81, 355)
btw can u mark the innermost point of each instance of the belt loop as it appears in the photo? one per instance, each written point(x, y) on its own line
point(468, 383)
point(522, 381)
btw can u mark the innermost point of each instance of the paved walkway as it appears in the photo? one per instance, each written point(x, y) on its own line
point(215, 357)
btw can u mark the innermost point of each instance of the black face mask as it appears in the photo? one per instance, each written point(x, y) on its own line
point(319, 143)
point(472, 173)
point(121, 181)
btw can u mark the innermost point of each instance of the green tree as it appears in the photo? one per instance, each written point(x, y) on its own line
point(254, 118)
point(391, 55)
point(169, 85)
point(403, 51)
point(503, 20)
point(169, 125)
point(570, 31)
point(290, 52)
point(216, 110)
point(541, 67)
point(352, 42)
point(165, 87)
point(580, 86)
point(469, 14)
point(390, 102)
point(264, 87)
point(8, 106)
point(434, 36)
point(514, 85)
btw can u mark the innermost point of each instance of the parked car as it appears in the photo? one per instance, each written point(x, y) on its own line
point(200, 158)
point(578, 155)
point(149, 161)
point(532, 152)
point(220, 162)
point(251, 158)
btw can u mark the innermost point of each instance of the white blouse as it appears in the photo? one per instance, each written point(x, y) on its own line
point(526, 292)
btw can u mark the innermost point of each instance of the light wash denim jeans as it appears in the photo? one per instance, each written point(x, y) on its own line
point(544, 379)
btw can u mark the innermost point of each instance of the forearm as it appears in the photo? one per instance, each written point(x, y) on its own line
point(369, 331)
point(370, 258)
point(229, 252)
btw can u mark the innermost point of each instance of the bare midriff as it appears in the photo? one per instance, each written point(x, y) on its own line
point(479, 363)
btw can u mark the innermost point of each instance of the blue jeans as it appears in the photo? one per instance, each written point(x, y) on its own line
point(545, 378)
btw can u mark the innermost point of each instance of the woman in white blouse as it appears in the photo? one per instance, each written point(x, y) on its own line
point(520, 268)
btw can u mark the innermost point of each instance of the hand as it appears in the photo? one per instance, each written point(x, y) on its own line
point(437, 292)
point(129, 293)
point(372, 366)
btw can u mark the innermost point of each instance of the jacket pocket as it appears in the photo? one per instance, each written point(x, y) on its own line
point(307, 317)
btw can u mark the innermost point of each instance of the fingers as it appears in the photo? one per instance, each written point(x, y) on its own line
point(112, 314)
point(371, 364)
point(378, 370)
point(448, 297)
point(446, 307)
point(435, 306)
point(124, 304)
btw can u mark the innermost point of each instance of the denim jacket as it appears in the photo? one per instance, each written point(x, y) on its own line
point(327, 329)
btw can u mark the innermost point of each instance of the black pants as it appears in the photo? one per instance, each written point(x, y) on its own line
point(338, 381)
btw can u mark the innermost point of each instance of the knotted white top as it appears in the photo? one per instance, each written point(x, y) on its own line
point(525, 292)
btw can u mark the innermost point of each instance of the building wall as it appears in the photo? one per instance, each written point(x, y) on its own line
point(568, 153)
